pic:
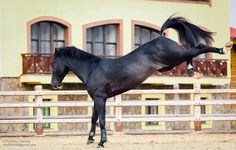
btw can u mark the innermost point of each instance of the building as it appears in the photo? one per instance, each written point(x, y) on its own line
point(30, 30)
point(233, 56)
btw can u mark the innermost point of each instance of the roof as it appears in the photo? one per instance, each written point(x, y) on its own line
point(232, 32)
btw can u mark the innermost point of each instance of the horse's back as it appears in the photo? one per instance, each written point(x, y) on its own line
point(114, 76)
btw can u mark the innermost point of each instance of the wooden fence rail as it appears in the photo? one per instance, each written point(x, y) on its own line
point(119, 118)
point(116, 104)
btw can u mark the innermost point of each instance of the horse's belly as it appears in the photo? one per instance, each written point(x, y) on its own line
point(119, 86)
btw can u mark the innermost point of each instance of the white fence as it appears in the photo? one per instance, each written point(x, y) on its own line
point(39, 119)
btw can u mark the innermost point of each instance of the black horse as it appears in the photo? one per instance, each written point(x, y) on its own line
point(104, 77)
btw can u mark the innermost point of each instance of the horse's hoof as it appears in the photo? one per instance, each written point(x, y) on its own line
point(228, 46)
point(100, 145)
point(90, 141)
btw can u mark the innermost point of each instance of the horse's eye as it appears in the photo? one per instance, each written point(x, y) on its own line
point(200, 45)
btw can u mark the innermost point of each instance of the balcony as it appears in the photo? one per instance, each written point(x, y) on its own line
point(41, 64)
point(208, 67)
point(36, 63)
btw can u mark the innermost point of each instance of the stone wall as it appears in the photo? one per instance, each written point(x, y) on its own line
point(134, 110)
point(75, 111)
point(12, 84)
point(181, 109)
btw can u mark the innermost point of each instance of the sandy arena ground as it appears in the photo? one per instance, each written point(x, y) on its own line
point(124, 142)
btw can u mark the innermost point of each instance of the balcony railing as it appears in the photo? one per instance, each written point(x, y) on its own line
point(36, 63)
point(41, 64)
point(208, 67)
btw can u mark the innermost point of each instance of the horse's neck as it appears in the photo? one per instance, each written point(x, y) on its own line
point(81, 68)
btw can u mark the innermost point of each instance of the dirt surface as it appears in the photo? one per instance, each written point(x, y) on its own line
point(124, 142)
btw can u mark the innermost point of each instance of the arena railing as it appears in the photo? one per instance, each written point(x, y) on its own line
point(118, 103)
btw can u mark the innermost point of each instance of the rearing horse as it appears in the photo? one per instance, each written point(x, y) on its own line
point(104, 77)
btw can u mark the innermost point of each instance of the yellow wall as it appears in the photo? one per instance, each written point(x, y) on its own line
point(161, 111)
point(15, 14)
point(53, 112)
point(1, 19)
point(206, 124)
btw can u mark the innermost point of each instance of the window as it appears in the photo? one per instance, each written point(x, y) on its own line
point(205, 110)
point(102, 40)
point(203, 107)
point(144, 35)
point(47, 111)
point(46, 36)
point(153, 110)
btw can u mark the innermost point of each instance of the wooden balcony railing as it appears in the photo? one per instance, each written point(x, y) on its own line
point(208, 67)
point(41, 64)
point(36, 63)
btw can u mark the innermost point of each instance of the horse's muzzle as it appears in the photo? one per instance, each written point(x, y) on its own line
point(57, 86)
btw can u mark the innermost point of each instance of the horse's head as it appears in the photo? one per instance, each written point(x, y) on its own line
point(202, 48)
point(59, 69)
point(205, 48)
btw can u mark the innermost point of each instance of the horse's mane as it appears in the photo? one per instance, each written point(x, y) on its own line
point(189, 34)
point(73, 52)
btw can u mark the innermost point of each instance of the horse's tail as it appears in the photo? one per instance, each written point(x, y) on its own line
point(189, 34)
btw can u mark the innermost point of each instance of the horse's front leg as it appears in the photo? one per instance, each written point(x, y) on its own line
point(93, 126)
point(101, 109)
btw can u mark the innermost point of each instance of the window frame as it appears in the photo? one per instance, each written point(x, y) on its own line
point(53, 112)
point(104, 41)
point(67, 29)
point(161, 125)
point(51, 40)
point(208, 111)
point(119, 33)
point(150, 30)
point(148, 108)
point(45, 109)
point(144, 24)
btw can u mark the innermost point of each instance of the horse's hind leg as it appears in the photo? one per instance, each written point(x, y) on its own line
point(190, 68)
point(228, 46)
point(191, 71)
point(93, 126)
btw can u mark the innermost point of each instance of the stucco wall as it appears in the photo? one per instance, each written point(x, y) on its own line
point(16, 13)
point(1, 58)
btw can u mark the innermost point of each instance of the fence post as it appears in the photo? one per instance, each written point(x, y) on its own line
point(177, 108)
point(39, 111)
point(118, 124)
point(197, 108)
